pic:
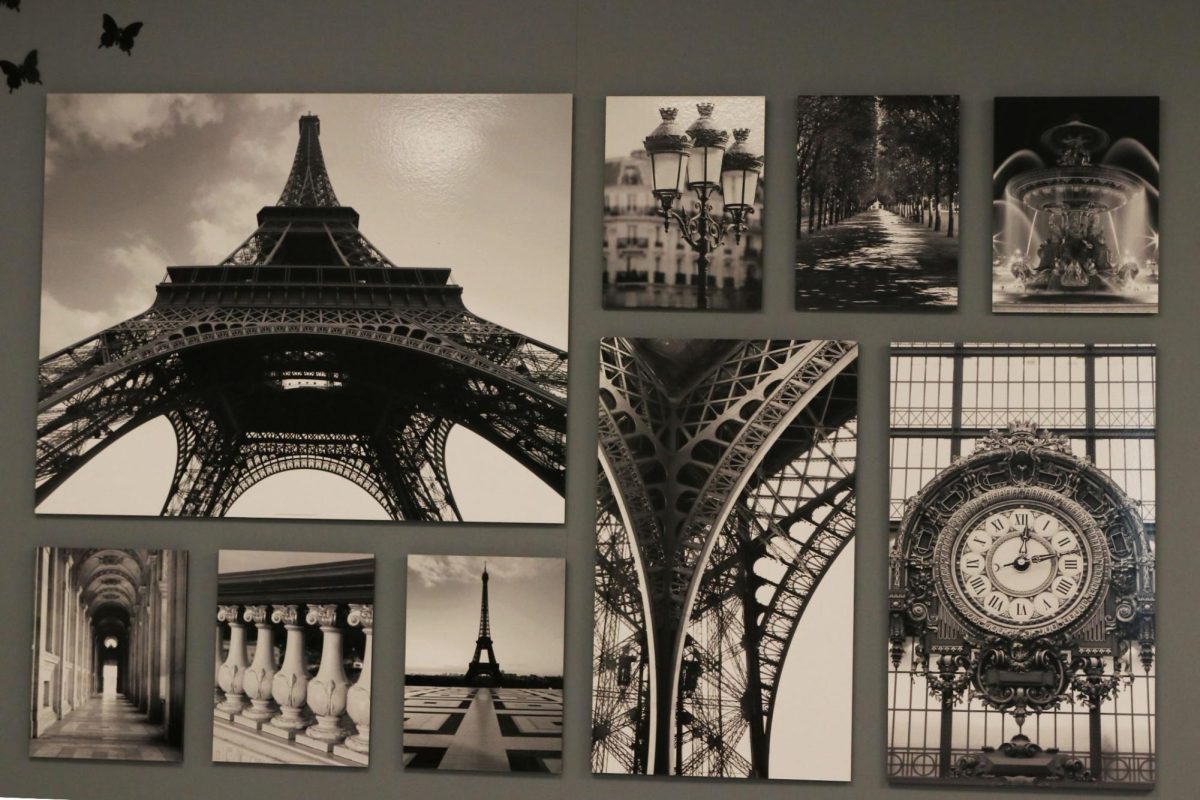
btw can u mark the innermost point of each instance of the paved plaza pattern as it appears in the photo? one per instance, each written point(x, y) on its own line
point(483, 729)
point(105, 727)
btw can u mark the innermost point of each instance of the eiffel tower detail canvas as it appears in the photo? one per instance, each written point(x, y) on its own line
point(307, 348)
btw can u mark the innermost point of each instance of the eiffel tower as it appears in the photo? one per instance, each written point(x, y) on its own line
point(484, 671)
point(726, 492)
point(306, 348)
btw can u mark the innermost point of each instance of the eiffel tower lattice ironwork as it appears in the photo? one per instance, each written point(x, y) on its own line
point(306, 348)
point(726, 493)
point(479, 671)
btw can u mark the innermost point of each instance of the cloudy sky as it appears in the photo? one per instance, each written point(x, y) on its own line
point(629, 119)
point(477, 183)
point(525, 598)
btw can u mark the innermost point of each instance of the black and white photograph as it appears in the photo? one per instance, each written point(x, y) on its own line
point(292, 658)
point(109, 645)
point(1021, 599)
point(483, 664)
point(724, 574)
point(683, 202)
point(220, 337)
point(877, 193)
point(1075, 205)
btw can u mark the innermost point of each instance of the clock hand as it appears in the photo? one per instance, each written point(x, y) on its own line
point(1046, 556)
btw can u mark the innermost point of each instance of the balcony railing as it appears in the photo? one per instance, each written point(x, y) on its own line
point(633, 243)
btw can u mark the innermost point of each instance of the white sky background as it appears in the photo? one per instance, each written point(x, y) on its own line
point(628, 120)
point(477, 183)
point(525, 600)
point(811, 733)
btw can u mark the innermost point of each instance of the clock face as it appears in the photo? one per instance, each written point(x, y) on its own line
point(1021, 563)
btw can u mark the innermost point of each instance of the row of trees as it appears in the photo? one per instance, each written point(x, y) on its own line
point(900, 151)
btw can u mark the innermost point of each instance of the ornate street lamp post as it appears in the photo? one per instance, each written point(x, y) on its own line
point(697, 160)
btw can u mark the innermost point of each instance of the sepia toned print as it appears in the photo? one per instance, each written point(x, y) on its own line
point(292, 652)
point(226, 339)
point(109, 655)
point(483, 673)
point(1021, 610)
point(724, 558)
point(1075, 205)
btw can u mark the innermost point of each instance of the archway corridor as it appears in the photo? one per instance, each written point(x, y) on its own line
point(109, 639)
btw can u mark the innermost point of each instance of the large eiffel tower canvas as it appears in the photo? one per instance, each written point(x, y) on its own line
point(308, 349)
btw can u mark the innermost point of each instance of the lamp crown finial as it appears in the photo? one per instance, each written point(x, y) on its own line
point(668, 114)
point(705, 109)
point(741, 134)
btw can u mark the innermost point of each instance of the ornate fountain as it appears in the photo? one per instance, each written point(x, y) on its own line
point(1077, 197)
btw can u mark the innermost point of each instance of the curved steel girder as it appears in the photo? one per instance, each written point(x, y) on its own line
point(620, 718)
point(102, 413)
point(175, 342)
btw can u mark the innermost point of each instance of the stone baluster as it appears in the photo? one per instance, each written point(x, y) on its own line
point(218, 695)
point(290, 685)
point(257, 682)
point(327, 690)
point(358, 698)
point(234, 669)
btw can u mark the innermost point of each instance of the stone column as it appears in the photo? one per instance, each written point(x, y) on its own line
point(218, 695)
point(289, 687)
point(327, 690)
point(358, 698)
point(233, 670)
point(257, 682)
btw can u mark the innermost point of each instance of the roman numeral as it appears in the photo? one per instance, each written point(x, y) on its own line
point(1022, 517)
point(995, 602)
point(978, 583)
point(1064, 541)
point(1063, 586)
point(997, 523)
point(1070, 563)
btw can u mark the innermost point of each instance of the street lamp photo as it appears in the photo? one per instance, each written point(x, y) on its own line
point(698, 160)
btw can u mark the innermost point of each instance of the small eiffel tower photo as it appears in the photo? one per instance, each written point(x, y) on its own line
point(462, 714)
point(220, 337)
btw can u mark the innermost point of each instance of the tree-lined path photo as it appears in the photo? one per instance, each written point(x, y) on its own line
point(877, 191)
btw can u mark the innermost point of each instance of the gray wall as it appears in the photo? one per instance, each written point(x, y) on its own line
point(971, 47)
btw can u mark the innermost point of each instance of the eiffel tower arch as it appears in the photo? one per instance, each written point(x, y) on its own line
point(306, 348)
point(726, 493)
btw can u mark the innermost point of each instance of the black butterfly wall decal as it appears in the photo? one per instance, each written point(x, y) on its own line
point(15, 5)
point(25, 72)
point(121, 37)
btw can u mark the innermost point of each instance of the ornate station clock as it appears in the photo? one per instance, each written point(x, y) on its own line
point(1021, 561)
point(1025, 574)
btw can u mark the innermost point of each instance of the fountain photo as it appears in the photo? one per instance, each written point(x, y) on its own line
point(877, 193)
point(1021, 646)
point(483, 664)
point(1075, 205)
point(305, 306)
point(109, 645)
point(292, 658)
point(723, 610)
point(683, 202)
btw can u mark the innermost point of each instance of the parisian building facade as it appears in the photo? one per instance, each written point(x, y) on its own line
point(646, 266)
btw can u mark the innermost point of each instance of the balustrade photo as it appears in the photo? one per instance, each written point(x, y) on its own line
point(292, 649)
